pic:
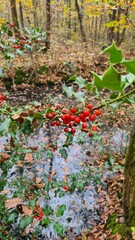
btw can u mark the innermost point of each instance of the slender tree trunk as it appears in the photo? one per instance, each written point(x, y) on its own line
point(35, 4)
point(21, 15)
point(15, 17)
point(129, 181)
point(69, 19)
point(112, 17)
point(48, 23)
point(80, 18)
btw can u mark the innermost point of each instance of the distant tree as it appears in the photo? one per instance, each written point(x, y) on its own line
point(80, 19)
point(15, 17)
point(48, 23)
point(35, 4)
point(21, 14)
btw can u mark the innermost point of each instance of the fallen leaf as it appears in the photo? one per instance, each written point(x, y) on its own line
point(28, 157)
point(13, 202)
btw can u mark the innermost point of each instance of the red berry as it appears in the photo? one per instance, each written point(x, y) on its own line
point(66, 129)
point(81, 116)
point(86, 113)
point(53, 114)
point(73, 130)
point(63, 117)
point(94, 128)
point(72, 118)
point(90, 134)
point(98, 112)
point(77, 120)
point(89, 106)
point(58, 123)
point(84, 119)
point(84, 125)
point(73, 110)
point(92, 117)
point(12, 24)
point(65, 111)
point(52, 124)
point(71, 125)
point(67, 116)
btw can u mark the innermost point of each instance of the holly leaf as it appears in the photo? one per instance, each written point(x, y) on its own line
point(63, 153)
point(59, 229)
point(1, 72)
point(68, 90)
point(69, 139)
point(114, 52)
point(72, 78)
point(97, 81)
point(25, 221)
point(127, 80)
point(130, 65)
point(61, 210)
point(80, 82)
point(80, 96)
point(45, 222)
point(111, 79)
point(4, 126)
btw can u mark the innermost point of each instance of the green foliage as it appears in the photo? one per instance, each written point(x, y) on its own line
point(25, 221)
point(61, 210)
point(114, 52)
point(59, 229)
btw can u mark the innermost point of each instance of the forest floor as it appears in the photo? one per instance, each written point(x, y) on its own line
point(107, 155)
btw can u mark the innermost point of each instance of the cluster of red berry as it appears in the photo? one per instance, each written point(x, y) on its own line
point(2, 96)
point(71, 118)
point(39, 216)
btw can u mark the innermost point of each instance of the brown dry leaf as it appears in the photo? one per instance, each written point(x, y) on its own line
point(6, 191)
point(4, 155)
point(37, 180)
point(118, 237)
point(15, 116)
point(26, 210)
point(39, 185)
point(66, 169)
point(100, 200)
point(28, 157)
point(53, 173)
point(19, 163)
point(13, 202)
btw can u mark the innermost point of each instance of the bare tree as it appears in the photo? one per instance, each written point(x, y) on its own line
point(35, 4)
point(21, 14)
point(48, 23)
point(15, 17)
point(80, 18)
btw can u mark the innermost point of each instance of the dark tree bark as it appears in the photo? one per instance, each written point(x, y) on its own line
point(80, 18)
point(21, 15)
point(69, 19)
point(48, 23)
point(129, 181)
point(35, 4)
point(15, 17)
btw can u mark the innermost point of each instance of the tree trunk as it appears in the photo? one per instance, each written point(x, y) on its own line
point(48, 23)
point(35, 13)
point(129, 181)
point(69, 20)
point(80, 18)
point(14, 17)
point(21, 15)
